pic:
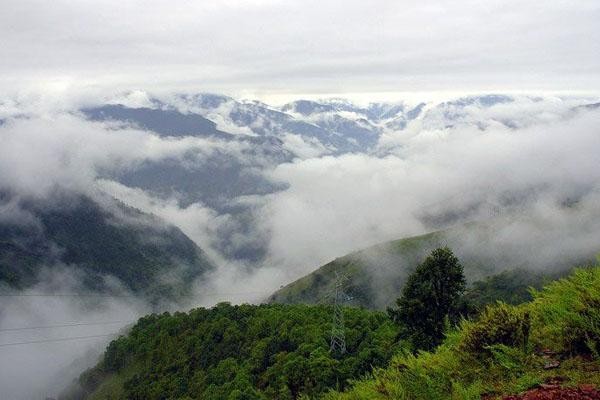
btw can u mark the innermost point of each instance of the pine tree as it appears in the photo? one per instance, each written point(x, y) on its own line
point(430, 299)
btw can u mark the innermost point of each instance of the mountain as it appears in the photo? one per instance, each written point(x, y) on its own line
point(256, 118)
point(282, 352)
point(217, 175)
point(375, 276)
point(227, 167)
point(164, 122)
point(247, 137)
point(241, 142)
point(97, 242)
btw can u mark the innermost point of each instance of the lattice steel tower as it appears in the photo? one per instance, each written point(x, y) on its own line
point(338, 336)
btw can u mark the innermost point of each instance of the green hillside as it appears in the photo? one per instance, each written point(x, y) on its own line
point(553, 339)
point(238, 352)
point(376, 275)
point(74, 231)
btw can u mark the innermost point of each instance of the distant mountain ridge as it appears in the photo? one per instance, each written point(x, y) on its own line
point(335, 126)
point(253, 138)
point(163, 122)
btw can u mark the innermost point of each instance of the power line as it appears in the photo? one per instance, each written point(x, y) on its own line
point(62, 295)
point(55, 340)
point(123, 296)
point(64, 325)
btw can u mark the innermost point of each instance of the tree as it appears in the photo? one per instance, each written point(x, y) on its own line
point(430, 299)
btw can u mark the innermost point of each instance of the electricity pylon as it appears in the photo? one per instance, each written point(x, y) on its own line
point(338, 336)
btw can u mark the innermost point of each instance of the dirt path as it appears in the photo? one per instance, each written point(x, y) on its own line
point(555, 392)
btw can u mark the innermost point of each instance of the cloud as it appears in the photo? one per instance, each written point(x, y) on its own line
point(310, 47)
point(540, 170)
point(303, 147)
point(62, 149)
point(232, 280)
point(335, 205)
point(198, 222)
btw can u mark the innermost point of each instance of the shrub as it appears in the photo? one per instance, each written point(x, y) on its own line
point(494, 356)
point(499, 324)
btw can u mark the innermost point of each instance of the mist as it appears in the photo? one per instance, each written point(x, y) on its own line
point(335, 205)
point(44, 368)
point(160, 156)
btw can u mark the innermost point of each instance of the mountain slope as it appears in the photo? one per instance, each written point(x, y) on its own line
point(376, 275)
point(98, 241)
point(281, 352)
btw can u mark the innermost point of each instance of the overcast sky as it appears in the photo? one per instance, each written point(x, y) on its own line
point(277, 47)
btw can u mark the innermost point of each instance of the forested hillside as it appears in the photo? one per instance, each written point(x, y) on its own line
point(75, 232)
point(281, 351)
point(238, 352)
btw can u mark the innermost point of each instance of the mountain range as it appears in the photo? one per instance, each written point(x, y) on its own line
point(247, 139)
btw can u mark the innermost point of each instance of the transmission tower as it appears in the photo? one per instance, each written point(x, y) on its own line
point(338, 336)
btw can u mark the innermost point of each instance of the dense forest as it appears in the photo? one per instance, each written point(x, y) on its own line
point(239, 352)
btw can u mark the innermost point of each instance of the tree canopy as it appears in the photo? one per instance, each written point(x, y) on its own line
point(239, 352)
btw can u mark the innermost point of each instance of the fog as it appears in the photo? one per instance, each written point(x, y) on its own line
point(282, 195)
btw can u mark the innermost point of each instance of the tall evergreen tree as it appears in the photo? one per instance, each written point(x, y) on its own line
point(430, 299)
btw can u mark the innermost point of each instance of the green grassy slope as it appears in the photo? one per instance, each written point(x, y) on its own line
point(372, 273)
point(501, 353)
point(377, 274)
point(238, 352)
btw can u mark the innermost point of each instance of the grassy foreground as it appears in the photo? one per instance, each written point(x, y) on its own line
point(508, 349)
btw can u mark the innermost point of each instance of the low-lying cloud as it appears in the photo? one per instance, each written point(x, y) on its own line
point(65, 150)
point(338, 204)
point(42, 369)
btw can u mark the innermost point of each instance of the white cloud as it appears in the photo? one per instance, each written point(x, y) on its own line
point(42, 152)
point(303, 147)
point(44, 369)
point(275, 47)
point(335, 205)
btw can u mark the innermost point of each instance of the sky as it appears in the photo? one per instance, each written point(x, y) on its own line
point(274, 49)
